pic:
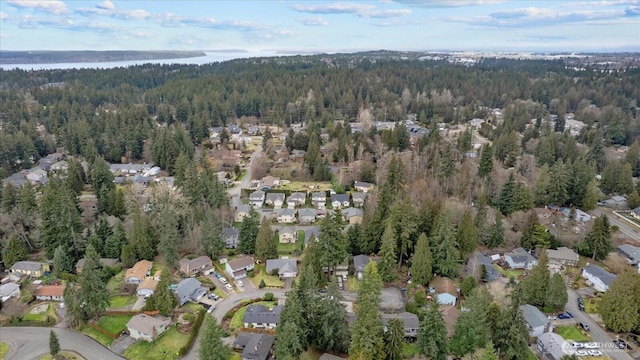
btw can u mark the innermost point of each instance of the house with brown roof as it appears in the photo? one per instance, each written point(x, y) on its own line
point(238, 267)
point(147, 287)
point(138, 272)
point(50, 293)
point(192, 267)
point(146, 327)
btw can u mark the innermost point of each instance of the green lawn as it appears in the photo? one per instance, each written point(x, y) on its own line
point(40, 317)
point(97, 335)
point(236, 356)
point(192, 307)
point(238, 317)
point(515, 273)
point(571, 332)
point(166, 347)
point(220, 293)
point(114, 324)
point(290, 248)
point(119, 301)
point(115, 281)
point(409, 350)
point(4, 348)
point(531, 355)
point(269, 280)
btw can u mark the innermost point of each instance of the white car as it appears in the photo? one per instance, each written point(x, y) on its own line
point(582, 353)
point(239, 283)
point(577, 345)
point(591, 345)
point(223, 280)
point(229, 287)
point(595, 352)
point(211, 309)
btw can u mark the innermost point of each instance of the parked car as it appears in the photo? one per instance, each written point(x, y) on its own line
point(239, 283)
point(213, 296)
point(218, 276)
point(223, 280)
point(582, 353)
point(125, 332)
point(211, 309)
point(229, 287)
point(568, 313)
point(551, 317)
point(581, 307)
point(585, 327)
point(595, 352)
point(580, 300)
point(634, 338)
point(591, 345)
point(577, 345)
point(563, 316)
point(620, 344)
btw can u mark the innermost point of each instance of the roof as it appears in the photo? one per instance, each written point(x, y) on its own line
point(363, 184)
point(554, 344)
point(139, 270)
point(8, 288)
point(27, 266)
point(533, 316)
point(187, 286)
point(104, 261)
point(145, 323)
point(275, 196)
point(340, 197)
point(287, 230)
point(258, 346)
point(350, 212)
point(411, 321)
point(477, 260)
point(319, 194)
point(197, 262)
point(632, 252)
point(563, 253)
point(602, 274)
point(240, 262)
point(359, 195)
point(148, 283)
point(313, 230)
point(360, 261)
point(283, 265)
point(242, 339)
point(50, 290)
point(307, 212)
point(298, 196)
point(444, 285)
point(287, 212)
point(257, 195)
point(260, 314)
point(244, 208)
point(230, 231)
point(636, 210)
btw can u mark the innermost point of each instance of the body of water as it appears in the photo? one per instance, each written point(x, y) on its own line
point(210, 57)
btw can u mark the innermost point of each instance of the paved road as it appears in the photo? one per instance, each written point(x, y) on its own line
point(234, 192)
point(627, 229)
point(597, 333)
point(28, 343)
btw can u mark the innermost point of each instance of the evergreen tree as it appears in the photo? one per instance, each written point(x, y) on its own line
point(486, 161)
point(597, 243)
point(422, 262)
point(511, 336)
point(496, 233)
point(168, 235)
point(162, 299)
point(388, 254)
point(467, 235)
point(620, 308)
point(211, 345)
point(446, 257)
point(54, 344)
point(9, 197)
point(61, 263)
point(489, 352)
point(633, 200)
point(14, 252)
point(128, 255)
point(61, 223)
point(249, 232)
point(332, 244)
point(266, 247)
point(617, 177)
point(115, 242)
point(333, 327)
point(143, 237)
point(535, 285)
point(558, 184)
point(470, 332)
point(212, 240)
point(115, 203)
point(543, 182)
point(507, 195)
point(432, 336)
point(592, 195)
point(93, 295)
point(556, 297)
point(405, 224)
point(367, 341)
point(394, 339)
point(526, 240)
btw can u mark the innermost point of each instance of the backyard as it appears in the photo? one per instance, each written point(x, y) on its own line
point(166, 347)
point(571, 332)
point(114, 324)
point(269, 280)
point(515, 273)
point(115, 281)
point(238, 317)
point(40, 313)
point(306, 185)
point(119, 301)
point(290, 248)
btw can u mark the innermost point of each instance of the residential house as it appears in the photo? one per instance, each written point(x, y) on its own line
point(635, 213)
point(241, 212)
point(616, 202)
point(146, 327)
point(359, 263)
point(445, 289)
point(309, 232)
point(579, 215)
point(597, 277)
point(234, 129)
point(411, 322)
point(475, 264)
point(50, 293)
point(551, 346)
point(9, 290)
point(37, 176)
point(363, 186)
point(268, 183)
point(192, 267)
point(254, 346)
point(259, 316)
point(238, 267)
point(563, 256)
point(231, 237)
point(274, 199)
point(297, 155)
point(353, 215)
point(319, 199)
point(286, 268)
point(138, 272)
point(537, 322)
point(287, 235)
point(520, 259)
point(106, 262)
point(189, 289)
point(253, 130)
point(339, 201)
point(256, 198)
point(147, 287)
point(286, 216)
point(296, 199)
point(631, 253)
point(60, 166)
point(307, 215)
point(358, 198)
point(129, 169)
point(30, 268)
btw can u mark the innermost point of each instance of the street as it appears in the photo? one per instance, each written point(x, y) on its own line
point(627, 229)
point(28, 343)
point(234, 192)
point(597, 333)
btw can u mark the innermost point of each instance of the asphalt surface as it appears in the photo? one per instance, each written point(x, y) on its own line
point(627, 229)
point(234, 192)
point(598, 335)
point(29, 343)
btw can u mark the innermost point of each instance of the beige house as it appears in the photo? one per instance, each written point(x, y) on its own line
point(30, 268)
point(191, 267)
point(138, 272)
point(563, 256)
point(146, 327)
point(287, 235)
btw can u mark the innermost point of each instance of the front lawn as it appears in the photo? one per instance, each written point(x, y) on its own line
point(62, 355)
point(166, 347)
point(42, 317)
point(237, 319)
point(4, 348)
point(571, 332)
point(119, 301)
point(96, 335)
point(114, 324)
point(269, 280)
point(409, 349)
point(192, 307)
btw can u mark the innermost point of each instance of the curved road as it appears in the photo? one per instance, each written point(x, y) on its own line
point(29, 343)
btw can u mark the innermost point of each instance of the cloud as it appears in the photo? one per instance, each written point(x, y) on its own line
point(447, 3)
point(131, 14)
point(3, 16)
point(334, 8)
point(314, 21)
point(106, 5)
point(386, 14)
point(52, 7)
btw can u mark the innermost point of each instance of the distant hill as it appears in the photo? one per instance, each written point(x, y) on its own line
point(53, 57)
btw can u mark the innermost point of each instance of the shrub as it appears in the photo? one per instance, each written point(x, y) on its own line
point(274, 272)
point(268, 297)
point(262, 284)
point(251, 273)
point(189, 317)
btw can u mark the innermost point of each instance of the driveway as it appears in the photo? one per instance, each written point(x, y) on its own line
point(121, 344)
point(234, 192)
point(29, 343)
point(597, 333)
point(139, 304)
point(220, 285)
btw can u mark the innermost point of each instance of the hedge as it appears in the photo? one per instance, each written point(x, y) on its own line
point(17, 322)
point(194, 333)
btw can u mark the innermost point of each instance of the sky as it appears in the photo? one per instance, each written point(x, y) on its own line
point(321, 26)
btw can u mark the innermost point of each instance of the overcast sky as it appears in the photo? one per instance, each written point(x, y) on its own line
point(319, 26)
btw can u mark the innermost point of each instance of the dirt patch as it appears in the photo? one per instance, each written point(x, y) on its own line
point(184, 329)
point(40, 309)
point(615, 262)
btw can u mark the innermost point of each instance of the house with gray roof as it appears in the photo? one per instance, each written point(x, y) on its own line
point(358, 198)
point(311, 231)
point(411, 322)
point(597, 277)
point(254, 346)
point(307, 215)
point(319, 199)
point(231, 237)
point(241, 212)
point(146, 327)
point(8, 291)
point(192, 267)
point(189, 289)
point(353, 215)
point(363, 186)
point(274, 199)
point(520, 259)
point(339, 201)
point(359, 263)
point(631, 253)
point(286, 216)
point(256, 198)
point(287, 235)
point(635, 213)
point(287, 268)
point(475, 264)
point(551, 346)
point(30, 268)
point(563, 256)
point(537, 322)
point(238, 267)
point(296, 199)
point(259, 316)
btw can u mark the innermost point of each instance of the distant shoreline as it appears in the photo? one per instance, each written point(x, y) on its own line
point(62, 57)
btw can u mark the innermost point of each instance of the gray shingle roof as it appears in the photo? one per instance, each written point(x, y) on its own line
point(272, 197)
point(260, 314)
point(27, 266)
point(533, 316)
point(632, 252)
point(410, 320)
point(256, 195)
point(360, 261)
point(230, 231)
point(258, 347)
point(187, 287)
point(287, 212)
point(476, 261)
point(306, 212)
point(606, 277)
point(340, 197)
point(282, 265)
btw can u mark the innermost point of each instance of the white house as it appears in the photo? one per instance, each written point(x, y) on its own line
point(296, 199)
point(274, 199)
point(138, 272)
point(363, 186)
point(286, 216)
point(446, 299)
point(287, 268)
point(50, 293)
point(146, 327)
point(319, 199)
point(287, 235)
point(256, 198)
point(520, 259)
point(241, 212)
point(147, 287)
point(339, 201)
point(307, 215)
point(597, 277)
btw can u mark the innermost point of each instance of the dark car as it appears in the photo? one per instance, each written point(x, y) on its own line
point(585, 327)
point(580, 300)
point(581, 306)
point(568, 313)
point(621, 344)
point(563, 316)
